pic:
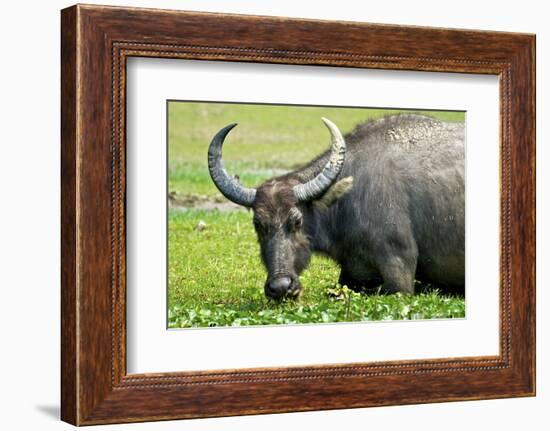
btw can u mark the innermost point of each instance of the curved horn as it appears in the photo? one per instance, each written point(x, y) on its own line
point(317, 186)
point(229, 187)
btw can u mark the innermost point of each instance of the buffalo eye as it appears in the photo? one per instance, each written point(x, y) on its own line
point(294, 221)
point(257, 225)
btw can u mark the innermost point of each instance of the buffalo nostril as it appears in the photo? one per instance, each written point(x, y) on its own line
point(278, 287)
point(280, 283)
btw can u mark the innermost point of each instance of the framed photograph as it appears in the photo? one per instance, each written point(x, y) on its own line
point(264, 214)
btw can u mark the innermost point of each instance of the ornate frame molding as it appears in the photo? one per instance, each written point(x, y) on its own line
point(96, 41)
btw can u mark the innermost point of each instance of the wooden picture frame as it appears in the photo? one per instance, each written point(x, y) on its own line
point(95, 43)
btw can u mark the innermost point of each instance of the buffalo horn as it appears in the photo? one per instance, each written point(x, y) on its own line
point(229, 187)
point(317, 186)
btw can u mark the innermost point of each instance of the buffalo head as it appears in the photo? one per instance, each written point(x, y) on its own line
point(282, 208)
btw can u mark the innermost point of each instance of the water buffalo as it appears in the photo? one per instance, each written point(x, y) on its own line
point(386, 202)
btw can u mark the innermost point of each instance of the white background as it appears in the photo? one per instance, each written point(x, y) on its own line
point(29, 223)
point(151, 348)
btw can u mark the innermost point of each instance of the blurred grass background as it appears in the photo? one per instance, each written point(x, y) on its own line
point(269, 140)
point(215, 277)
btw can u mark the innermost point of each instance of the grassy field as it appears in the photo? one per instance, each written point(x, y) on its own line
point(215, 277)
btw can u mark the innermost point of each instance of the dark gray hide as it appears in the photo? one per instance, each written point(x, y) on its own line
point(402, 217)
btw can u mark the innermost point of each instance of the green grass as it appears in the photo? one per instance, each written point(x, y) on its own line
point(216, 279)
point(269, 139)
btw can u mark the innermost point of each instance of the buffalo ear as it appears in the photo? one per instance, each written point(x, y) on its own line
point(335, 192)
